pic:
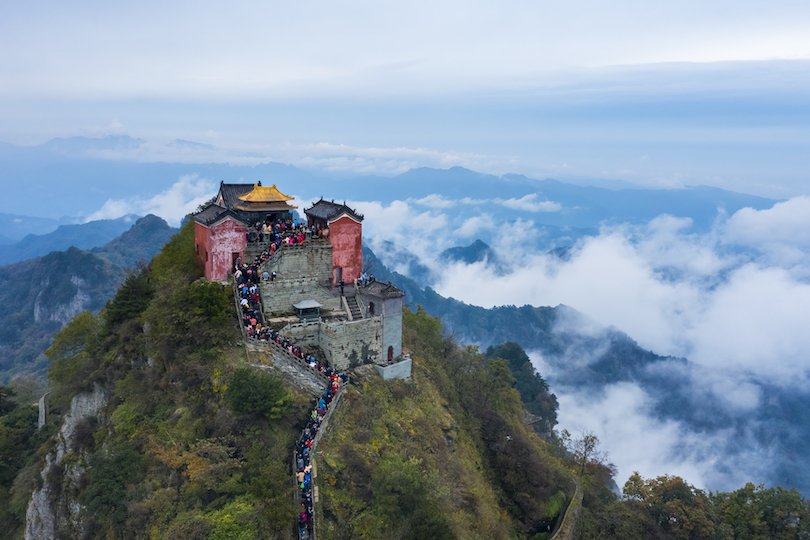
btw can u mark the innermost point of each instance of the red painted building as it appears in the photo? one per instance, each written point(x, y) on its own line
point(219, 244)
point(221, 228)
point(345, 236)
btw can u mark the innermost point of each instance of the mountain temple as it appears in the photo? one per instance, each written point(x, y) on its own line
point(224, 225)
point(309, 273)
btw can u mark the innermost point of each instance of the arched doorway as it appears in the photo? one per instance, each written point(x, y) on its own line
point(390, 353)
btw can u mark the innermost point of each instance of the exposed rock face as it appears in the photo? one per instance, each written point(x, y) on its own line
point(53, 509)
point(45, 309)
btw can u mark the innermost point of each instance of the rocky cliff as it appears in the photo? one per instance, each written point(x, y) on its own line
point(54, 509)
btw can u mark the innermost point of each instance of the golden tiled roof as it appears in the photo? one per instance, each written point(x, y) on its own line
point(264, 194)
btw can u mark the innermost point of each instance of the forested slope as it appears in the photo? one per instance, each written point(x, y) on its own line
point(445, 455)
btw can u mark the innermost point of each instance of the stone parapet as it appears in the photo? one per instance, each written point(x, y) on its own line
point(397, 370)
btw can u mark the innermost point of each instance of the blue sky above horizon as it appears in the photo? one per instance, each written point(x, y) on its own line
point(658, 94)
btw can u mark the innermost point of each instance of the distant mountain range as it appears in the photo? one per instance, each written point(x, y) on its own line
point(40, 295)
point(13, 227)
point(82, 236)
point(93, 170)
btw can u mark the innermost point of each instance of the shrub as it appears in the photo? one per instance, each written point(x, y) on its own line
point(254, 392)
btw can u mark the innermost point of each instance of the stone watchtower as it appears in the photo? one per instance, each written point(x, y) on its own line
point(385, 301)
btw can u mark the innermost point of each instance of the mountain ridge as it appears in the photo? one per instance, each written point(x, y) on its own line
point(88, 235)
point(44, 293)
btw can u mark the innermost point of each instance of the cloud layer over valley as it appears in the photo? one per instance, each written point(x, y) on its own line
point(734, 300)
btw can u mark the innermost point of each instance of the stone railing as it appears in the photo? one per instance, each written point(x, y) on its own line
point(568, 525)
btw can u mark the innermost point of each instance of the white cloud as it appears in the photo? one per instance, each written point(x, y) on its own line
point(527, 203)
point(606, 278)
point(423, 234)
point(623, 418)
point(172, 205)
point(675, 292)
point(475, 225)
point(756, 322)
point(741, 319)
point(530, 203)
point(781, 232)
point(786, 222)
point(435, 201)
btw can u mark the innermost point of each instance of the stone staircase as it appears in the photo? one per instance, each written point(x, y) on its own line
point(354, 308)
point(294, 370)
point(253, 250)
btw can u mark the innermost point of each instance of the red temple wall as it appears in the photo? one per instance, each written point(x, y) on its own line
point(202, 244)
point(216, 246)
point(346, 237)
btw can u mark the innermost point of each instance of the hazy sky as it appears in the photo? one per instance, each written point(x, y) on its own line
point(658, 93)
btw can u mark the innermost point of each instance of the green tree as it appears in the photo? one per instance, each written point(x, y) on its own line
point(74, 357)
point(533, 389)
point(131, 299)
point(255, 392)
point(402, 494)
point(759, 513)
point(585, 453)
point(7, 402)
point(108, 477)
point(680, 509)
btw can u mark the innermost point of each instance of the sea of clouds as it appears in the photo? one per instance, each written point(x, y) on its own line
point(734, 301)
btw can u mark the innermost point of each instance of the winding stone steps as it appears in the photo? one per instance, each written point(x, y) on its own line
point(568, 526)
point(354, 308)
point(291, 368)
point(302, 376)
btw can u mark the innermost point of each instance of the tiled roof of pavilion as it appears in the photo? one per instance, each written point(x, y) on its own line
point(260, 194)
point(383, 290)
point(230, 193)
point(327, 210)
point(213, 213)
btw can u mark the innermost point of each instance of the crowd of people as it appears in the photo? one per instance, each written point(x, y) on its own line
point(247, 279)
point(304, 449)
point(288, 232)
point(364, 280)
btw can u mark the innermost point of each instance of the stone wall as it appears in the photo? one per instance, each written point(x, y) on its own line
point(304, 334)
point(313, 259)
point(390, 311)
point(279, 296)
point(352, 343)
point(400, 370)
point(392, 328)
